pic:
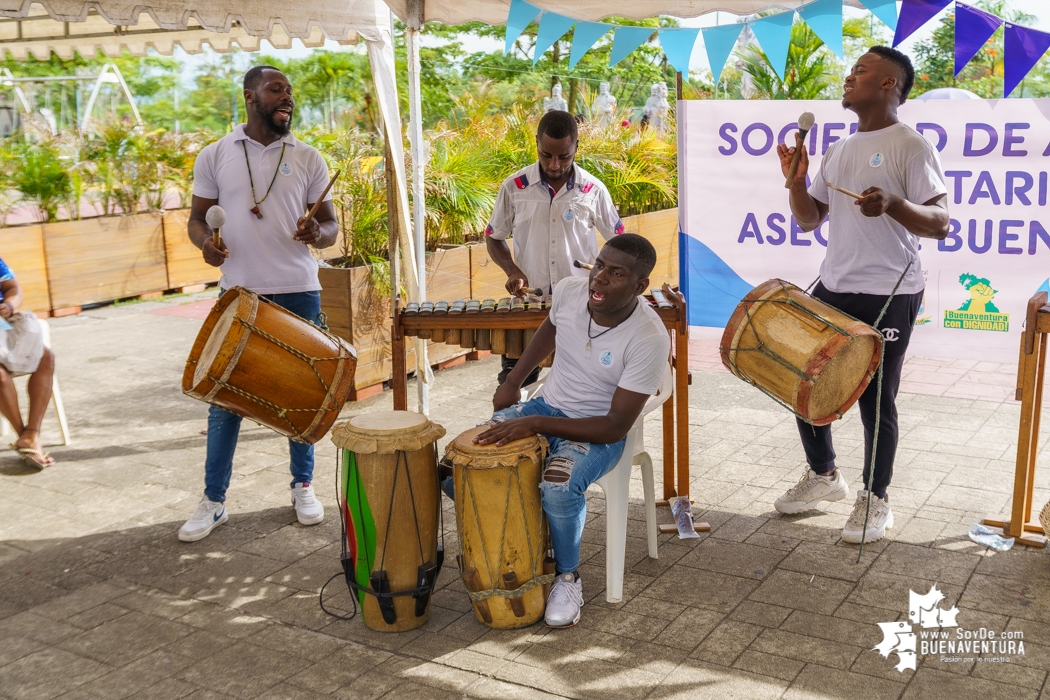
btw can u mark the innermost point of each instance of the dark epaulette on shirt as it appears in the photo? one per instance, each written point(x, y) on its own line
point(521, 181)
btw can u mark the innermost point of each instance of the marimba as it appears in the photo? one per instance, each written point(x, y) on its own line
point(505, 326)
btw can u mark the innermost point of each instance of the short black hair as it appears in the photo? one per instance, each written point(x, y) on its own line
point(255, 75)
point(639, 248)
point(558, 125)
point(903, 63)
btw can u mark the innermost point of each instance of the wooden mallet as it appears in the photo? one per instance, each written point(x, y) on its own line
point(317, 204)
point(216, 219)
point(805, 123)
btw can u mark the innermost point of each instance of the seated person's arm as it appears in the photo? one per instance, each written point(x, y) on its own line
point(612, 427)
point(12, 297)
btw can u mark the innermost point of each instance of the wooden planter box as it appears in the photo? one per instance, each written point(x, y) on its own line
point(184, 263)
point(356, 313)
point(661, 228)
point(487, 280)
point(22, 248)
point(102, 259)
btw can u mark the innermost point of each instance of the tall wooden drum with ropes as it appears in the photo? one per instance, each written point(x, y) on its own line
point(809, 356)
point(502, 530)
point(390, 507)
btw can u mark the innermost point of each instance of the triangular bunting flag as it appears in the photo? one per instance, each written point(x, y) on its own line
point(774, 35)
point(914, 14)
point(678, 46)
point(885, 10)
point(1023, 49)
point(521, 15)
point(972, 28)
point(626, 40)
point(584, 37)
point(719, 43)
point(552, 28)
point(825, 18)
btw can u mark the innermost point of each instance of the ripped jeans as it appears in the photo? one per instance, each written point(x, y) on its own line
point(571, 467)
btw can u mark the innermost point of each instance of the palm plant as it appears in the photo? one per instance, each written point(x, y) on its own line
point(40, 174)
point(809, 74)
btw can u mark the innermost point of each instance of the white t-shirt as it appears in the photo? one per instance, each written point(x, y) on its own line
point(633, 355)
point(549, 233)
point(867, 255)
point(264, 256)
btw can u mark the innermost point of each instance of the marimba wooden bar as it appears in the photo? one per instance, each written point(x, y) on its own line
point(675, 409)
point(1031, 368)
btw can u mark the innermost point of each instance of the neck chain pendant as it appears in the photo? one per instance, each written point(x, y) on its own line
point(587, 350)
point(255, 210)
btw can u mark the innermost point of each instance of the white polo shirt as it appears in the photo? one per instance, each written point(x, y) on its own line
point(551, 231)
point(633, 355)
point(264, 256)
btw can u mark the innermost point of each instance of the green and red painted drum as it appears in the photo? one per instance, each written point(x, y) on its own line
point(389, 503)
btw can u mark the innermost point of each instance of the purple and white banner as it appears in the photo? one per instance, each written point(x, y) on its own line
point(737, 229)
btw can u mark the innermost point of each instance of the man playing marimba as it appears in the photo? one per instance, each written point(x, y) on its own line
point(873, 247)
point(612, 353)
point(552, 209)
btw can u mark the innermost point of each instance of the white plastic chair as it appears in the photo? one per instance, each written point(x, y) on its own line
point(56, 395)
point(617, 486)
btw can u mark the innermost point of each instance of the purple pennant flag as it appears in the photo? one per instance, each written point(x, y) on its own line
point(914, 14)
point(1023, 49)
point(972, 28)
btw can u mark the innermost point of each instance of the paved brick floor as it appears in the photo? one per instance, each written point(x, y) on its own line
point(99, 599)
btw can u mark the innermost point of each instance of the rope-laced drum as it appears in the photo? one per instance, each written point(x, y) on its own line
point(390, 506)
point(262, 362)
point(809, 356)
point(502, 530)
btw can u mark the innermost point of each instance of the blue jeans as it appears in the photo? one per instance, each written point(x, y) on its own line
point(224, 427)
point(571, 467)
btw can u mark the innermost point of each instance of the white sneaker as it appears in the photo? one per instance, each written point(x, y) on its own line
point(307, 508)
point(210, 514)
point(880, 517)
point(810, 490)
point(564, 601)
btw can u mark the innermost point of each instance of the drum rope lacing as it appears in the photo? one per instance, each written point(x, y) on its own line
point(526, 586)
point(280, 411)
point(764, 349)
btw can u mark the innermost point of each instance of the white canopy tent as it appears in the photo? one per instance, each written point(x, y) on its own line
point(29, 28)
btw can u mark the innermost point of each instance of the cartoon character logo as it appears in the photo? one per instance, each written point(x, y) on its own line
point(286, 170)
point(606, 359)
point(876, 160)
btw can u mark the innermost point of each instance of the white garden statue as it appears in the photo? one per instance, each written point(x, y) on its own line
point(555, 101)
point(657, 107)
point(603, 111)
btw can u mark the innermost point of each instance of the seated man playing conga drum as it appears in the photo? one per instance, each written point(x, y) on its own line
point(612, 352)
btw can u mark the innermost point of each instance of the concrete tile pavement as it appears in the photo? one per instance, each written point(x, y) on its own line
point(101, 601)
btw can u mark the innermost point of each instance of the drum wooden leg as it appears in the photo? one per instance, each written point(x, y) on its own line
point(510, 580)
point(473, 583)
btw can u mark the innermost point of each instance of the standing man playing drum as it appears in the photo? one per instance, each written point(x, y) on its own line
point(265, 179)
point(612, 353)
point(872, 246)
point(552, 209)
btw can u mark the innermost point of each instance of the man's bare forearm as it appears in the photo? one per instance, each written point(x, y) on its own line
point(804, 208)
point(499, 251)
point(929, 220)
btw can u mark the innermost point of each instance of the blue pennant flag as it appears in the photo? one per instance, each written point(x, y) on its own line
point(719, 43)
point(552, 28)
point(885, 10)
point(584, 37)
point(678, 46)
point(972, 28)
point(521, 15)
point(824, 17)
point(626, 40)
point(914, 14)
point(774, 35)
point(1023, 47)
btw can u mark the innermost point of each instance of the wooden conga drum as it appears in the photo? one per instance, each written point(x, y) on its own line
point(807, 355)
point(502, 529)
point(257, 360)
point(389, 503)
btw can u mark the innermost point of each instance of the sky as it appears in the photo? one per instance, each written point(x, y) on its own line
point(1038, 8)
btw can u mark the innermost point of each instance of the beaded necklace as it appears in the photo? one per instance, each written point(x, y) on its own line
point(255, 209)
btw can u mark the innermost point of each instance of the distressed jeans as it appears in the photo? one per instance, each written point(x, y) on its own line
point(224, 427)
point(571, 467)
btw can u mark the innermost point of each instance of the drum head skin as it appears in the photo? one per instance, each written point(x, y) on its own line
point(386, 432)
point(215, 343)
point(483, 456)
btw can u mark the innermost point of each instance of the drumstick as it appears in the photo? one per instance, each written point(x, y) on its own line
point(585, 266)
point(845, 191)
point(317, 204)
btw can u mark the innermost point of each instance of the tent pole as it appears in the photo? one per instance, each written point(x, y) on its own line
point(414, 26)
